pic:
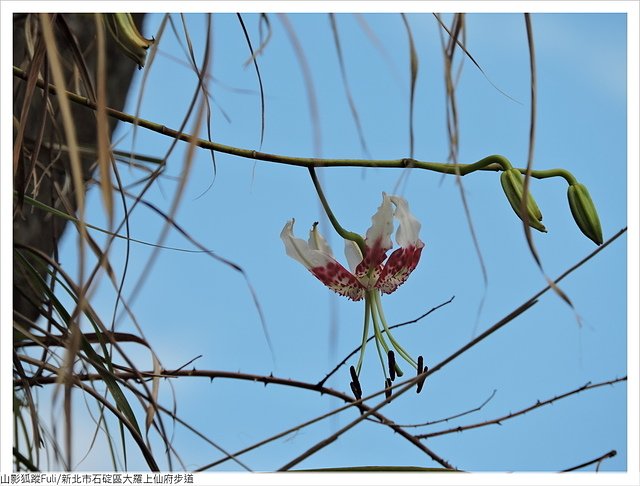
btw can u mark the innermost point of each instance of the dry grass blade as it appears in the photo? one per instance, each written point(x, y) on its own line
point(451, 81)
point(202, 76)
point(19, 173)
point(448, 54)
point(78, 183)
point(264, 41)
point(155, 390)
point(255, 65)
point(308, 82)
point(79, 64)
point(86, 354)
point(527, 178)
point(99, 363)
point(345, 84)
point(202, 82)
point(145, 77)
point(113, 409)
point(413, 71)
point(31, 404)
point(378, 44)
point(102, 126)
point(471, 58)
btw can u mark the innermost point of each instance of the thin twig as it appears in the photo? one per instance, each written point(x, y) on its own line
point(597, 460)
point(452, 417)
point(510, 415)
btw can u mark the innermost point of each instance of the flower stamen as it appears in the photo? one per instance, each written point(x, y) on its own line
point(421, 369)
point(355, 383)
point(395, 343)
point(392, 365)
point(365, 335)
point(387, 388)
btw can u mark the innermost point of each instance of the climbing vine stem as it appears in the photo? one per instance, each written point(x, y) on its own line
point(489, 163)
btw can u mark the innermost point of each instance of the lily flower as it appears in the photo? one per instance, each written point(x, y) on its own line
point(371, 272)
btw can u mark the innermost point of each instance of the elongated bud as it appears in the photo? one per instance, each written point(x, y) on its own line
point(126, 34)
point(513, 185)
point(584, 212)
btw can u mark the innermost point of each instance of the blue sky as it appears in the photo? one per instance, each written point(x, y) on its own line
point(192, 306)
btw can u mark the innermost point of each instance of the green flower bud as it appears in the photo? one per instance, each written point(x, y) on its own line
point(513, 185)
point(126, 34)
point(584, 212)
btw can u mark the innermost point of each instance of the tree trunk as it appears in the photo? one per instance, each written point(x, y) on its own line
point(41, 168)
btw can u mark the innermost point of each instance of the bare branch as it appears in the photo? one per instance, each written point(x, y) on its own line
point(510, 415)
point(597, 460)
point(452, 417)
point(265, 379)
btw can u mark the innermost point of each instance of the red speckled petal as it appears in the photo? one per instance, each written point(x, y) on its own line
point(398, 267)
point(340, 280)
point(369, 269)
point(316, 255)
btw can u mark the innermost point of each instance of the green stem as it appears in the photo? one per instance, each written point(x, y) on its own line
point(491, 163)
point(545, 174)
point(365, 334)
point(371, 297)
point(378, 334)
point(396, 344)
point(378, 342)
point(347, 235)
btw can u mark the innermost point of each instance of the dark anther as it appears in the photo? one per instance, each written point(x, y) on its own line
point(354, 375)
point(421, 369)
point(355, 383)
point(387, 389)
point(392, 364)
point(356, 390)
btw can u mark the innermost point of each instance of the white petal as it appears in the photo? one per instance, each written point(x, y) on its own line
point(300, 250)
point(381, 226)
point(409, 226)
point(317, 241)
point(316, 256)
point(353, 254)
